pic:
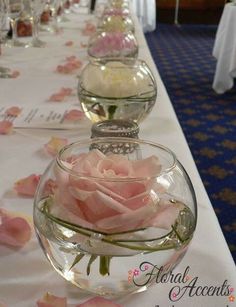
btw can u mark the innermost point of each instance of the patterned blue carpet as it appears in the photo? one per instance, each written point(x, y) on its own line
point(183, 55)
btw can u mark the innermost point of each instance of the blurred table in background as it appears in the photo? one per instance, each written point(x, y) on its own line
point(225, 50)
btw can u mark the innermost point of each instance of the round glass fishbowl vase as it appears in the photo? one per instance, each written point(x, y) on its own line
point(108, 212)
point(112, 88)
point(113, 44)
point(116, 23)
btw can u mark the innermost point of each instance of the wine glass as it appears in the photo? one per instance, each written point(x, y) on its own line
point(4, 71)
point(37, 7)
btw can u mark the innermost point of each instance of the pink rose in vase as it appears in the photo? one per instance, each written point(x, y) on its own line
point(111, 193)
point(113, 44)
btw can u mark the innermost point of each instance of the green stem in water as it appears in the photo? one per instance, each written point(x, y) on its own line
point(104, 265)
point(111, 111)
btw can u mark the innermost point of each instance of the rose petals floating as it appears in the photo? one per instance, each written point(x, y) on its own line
point(5, 127)
point(27, 186)
point(74, 115)
point(13, 111)
point(98, 302)
point(54, 145)
point(50, 300)
point(14, 231)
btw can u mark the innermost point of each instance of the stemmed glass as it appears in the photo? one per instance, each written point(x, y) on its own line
point(49, 22)
point(37, 7)
point(4, 71)
point(15, 10)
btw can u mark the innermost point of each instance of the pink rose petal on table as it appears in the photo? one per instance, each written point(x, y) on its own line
point(69, 43)
point(83, 45)
point(27, 186)
point(55, 145)
point(57, 97)
point(5, 127)
point(98, 302)
point(89, 29)
point(67, 91)
point(71, 58)
point(50, 300)
point(74, 115)
point(14, 230)
point(15, 74)
point(13, 111)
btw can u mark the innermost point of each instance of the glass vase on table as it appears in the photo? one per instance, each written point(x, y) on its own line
point(112, 44)
point(117, 88)
point(111, 212)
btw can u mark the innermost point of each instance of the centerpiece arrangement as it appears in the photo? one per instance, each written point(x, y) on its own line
point(109, 206)
point(113, 214)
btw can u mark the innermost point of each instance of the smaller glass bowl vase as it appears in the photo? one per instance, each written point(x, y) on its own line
point(116, 23)
point(118, 3)
point(109, 219)
point(113, 11)
point(113, 44)
point(111, 88)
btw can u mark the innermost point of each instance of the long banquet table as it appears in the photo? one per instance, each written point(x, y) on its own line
point(25, 274)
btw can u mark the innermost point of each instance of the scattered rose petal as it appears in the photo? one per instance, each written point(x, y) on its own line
point(89, 29)
point(71, 58)
point(5, 127)
point(74, 115)
point(50, 300)
point(72, 63)
point(69, 43)
point(15, 74)
point(60, 96)
point(14, 230)
point(54, 145)
point(98, 302)
point(28, 185)
point(13, 111)
point(67, 91)
point(57, 97)
point(83, 45)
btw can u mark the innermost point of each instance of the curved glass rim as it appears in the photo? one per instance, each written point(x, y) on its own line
point(128, 61)
point(60, 163)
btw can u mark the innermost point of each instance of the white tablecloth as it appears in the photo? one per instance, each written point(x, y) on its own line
point(25, 274)
point(225, 50)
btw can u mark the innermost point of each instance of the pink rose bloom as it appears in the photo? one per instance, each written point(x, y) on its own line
point(50, 300)
point(15, 231)
point(112, 194)
point(27, 186)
